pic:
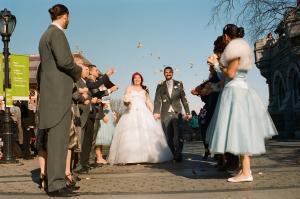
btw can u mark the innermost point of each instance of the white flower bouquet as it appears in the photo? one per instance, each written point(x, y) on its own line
point(127, 100)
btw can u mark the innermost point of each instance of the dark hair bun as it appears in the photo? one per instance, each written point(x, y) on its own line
point(233, 31)
point(58, 10)
point(51, 11)
point(240, 32)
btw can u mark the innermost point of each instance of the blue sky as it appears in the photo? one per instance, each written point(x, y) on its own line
point(107, 32)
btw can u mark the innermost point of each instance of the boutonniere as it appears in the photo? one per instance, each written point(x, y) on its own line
point(164, 100)
point(175, 87)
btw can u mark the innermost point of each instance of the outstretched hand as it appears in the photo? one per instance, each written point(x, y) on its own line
point(113, 89)
point(110, 72)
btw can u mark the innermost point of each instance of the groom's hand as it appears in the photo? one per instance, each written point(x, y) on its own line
point(156, 116)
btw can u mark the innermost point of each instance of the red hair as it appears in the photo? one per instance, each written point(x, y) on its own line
point(135, 74)
point(142, 80)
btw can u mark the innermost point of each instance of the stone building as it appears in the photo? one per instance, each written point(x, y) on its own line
point(279, 62)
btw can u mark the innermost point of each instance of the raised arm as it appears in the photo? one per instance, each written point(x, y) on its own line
point(102, 80)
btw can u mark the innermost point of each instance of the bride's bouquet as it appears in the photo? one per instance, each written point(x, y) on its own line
point(127, 100)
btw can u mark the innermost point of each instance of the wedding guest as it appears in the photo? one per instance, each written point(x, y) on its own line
point(28, 125)
point(105, 133)
point(194, 124)
point(209, 93)
point(93, 82)
point(56, 74)
point(240, 122)
point(74, 146)
point(16, 116)
point(41, 146)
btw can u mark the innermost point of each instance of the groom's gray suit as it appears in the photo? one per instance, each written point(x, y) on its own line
point(169, 107)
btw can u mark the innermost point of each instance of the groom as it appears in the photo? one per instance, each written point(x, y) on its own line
point(167, 106)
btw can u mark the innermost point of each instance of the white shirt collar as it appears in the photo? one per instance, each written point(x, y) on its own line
point(83, 80)
point(57, 25)
point(169, 81)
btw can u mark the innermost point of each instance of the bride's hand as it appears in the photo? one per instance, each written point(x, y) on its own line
point(156, 116)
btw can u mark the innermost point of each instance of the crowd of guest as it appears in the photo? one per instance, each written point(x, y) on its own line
point(75, 120)
point(22, 126)
point(91, 126)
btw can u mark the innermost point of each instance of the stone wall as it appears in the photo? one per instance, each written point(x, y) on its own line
point(279, 62)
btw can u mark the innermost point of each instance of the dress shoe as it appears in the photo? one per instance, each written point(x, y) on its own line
point(43, 182)
point(63, 192)
point(70, 181)
point(241, 179)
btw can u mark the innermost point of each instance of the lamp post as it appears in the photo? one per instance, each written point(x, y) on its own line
point(7, 26)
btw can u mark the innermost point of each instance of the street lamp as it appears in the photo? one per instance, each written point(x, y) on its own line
point(7, 26)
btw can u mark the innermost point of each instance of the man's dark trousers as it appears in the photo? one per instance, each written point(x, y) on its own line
point(57, 146)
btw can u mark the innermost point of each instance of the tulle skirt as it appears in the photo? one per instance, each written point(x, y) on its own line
point(106, 131)
point(241, 122)
point(139, 138)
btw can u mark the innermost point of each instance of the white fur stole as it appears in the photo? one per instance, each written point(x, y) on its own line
point(238, 48)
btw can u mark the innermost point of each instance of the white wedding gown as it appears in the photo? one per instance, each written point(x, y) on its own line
point(138, 137)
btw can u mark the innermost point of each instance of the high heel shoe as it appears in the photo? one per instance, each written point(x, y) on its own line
point(70, 180)
point(43, 181)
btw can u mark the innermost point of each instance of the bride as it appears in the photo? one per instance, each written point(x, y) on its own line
point(138, 137)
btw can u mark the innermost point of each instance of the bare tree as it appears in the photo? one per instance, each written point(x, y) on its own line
point(258, 16)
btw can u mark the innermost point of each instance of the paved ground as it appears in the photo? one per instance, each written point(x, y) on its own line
point(276, 175)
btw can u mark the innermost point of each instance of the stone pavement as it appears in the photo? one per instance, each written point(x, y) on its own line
point(276, 175)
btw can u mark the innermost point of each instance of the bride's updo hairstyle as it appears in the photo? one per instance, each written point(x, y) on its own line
point(142, 81)
point(233, 31)
point(58, 10)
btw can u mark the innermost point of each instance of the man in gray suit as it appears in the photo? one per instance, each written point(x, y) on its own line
point(56, 76)
point(167, 106)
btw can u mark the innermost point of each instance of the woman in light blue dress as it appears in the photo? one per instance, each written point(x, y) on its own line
point(105, 132)
point(240, 123)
